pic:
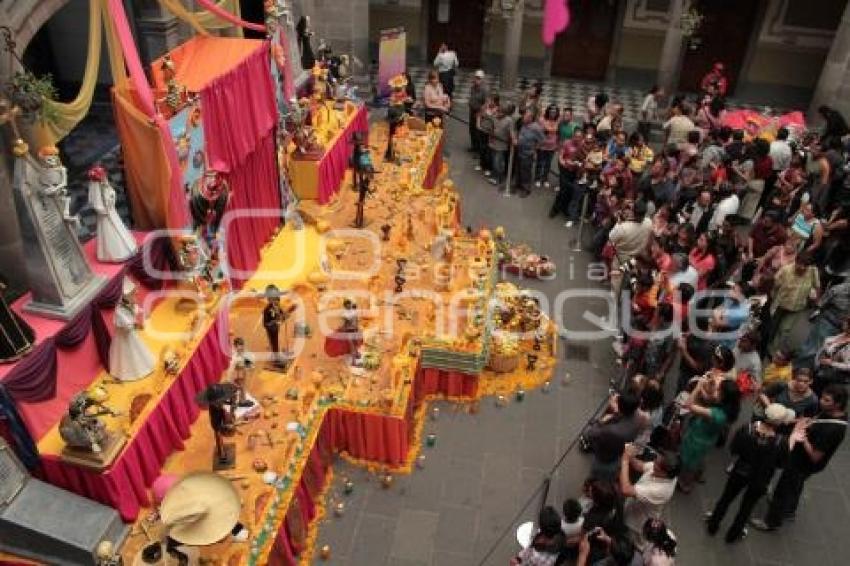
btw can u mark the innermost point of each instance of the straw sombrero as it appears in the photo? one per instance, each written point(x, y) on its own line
point(202, 508)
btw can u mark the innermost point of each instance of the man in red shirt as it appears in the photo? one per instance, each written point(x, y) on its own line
point(570, 161)
point(715, 82)
point(766, 233)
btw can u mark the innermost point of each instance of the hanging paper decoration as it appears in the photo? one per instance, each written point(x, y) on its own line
point(556, 18)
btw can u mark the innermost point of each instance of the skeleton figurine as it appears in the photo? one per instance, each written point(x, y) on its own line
point(54, 182)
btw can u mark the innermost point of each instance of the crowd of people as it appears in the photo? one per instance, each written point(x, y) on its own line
point(728, 253)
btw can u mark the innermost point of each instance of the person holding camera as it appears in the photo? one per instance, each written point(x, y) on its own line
point(608, 436)
point(649, 494)
point(617, 550)
point(548, 543)
point(758, 448)
point(812, 444)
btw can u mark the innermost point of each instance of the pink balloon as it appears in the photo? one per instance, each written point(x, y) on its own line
point(556, 18)
point(161, 485)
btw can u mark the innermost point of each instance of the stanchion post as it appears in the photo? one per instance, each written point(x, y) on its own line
point(507, 193)
point(581, 221)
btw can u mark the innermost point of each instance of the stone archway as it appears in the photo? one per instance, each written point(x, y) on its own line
point(25, 19)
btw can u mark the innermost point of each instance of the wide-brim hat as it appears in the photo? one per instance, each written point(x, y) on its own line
point(202, 508)
point(778, 414)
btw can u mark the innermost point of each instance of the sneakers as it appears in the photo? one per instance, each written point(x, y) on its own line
point(583, 180)
point(760, 525)
point(568, 224)
point(594, 184)
point(537, 184)
point(732, 538)
point(487, 173)
point(477, 168)
point(546, 184)
point(707, 516)
point(492, 181)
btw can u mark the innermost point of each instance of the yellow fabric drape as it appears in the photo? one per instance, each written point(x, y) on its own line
point(113, 48)
point(68, 115)
point(203, 21)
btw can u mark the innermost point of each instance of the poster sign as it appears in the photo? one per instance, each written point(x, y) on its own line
point(392, 58)
point(188, 135)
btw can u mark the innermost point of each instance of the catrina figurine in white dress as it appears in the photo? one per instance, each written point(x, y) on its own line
point(115, 243)
point(129, 358)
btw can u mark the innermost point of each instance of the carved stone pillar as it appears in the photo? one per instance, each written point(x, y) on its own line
point(158, 31)
point(834, 83)
point(672, 51)
point(513, 45)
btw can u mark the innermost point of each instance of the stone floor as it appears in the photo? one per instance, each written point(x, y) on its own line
point(485, 467)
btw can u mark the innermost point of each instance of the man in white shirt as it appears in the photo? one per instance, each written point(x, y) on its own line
point(780, 151)
point(728, 206)
point(678, 127)
point(649, 495)
point(446, 63)
point(685, 272)
point(631, 237)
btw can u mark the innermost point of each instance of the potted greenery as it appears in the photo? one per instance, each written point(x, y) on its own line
point(33, 94)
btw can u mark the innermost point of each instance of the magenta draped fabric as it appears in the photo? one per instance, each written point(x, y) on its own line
point(377, 438)
point(160, 256)
point(334, 163)
point(446, 383)
point(239, 111)
point(33, 379)
point(178, 212)
point(285, 549)
point(254, 210)
point(125, 485)
point(228, 17)
point(434, 168)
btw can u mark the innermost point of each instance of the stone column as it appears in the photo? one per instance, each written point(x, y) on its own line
point(834, 82)
point(424, 39)
point(620, 18)
point(513, 45)
point(671, 52)
point(548, 53)
point(157, 30)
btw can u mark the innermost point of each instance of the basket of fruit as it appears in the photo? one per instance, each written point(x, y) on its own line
point(504, 355)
